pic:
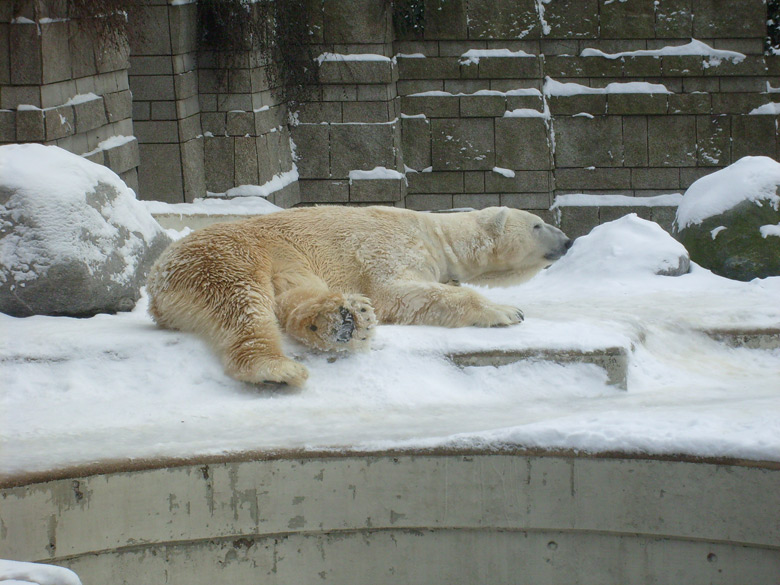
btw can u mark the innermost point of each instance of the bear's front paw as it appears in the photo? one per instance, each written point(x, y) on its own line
point(341, 323)
point(500, 316)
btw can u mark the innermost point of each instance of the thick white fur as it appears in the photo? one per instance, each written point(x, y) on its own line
point(326, 275)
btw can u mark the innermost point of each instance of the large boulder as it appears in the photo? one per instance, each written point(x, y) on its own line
point(730, 220)
point(73, 238)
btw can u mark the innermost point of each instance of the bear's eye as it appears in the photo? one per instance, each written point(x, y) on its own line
point(538, 226)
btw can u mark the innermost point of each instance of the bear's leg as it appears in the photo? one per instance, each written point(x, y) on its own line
point(443, 305)
point(326, 320)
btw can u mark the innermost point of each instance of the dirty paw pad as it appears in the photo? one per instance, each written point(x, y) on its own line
point(343, 332)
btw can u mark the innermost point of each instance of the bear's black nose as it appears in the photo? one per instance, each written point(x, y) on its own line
point(568, 244)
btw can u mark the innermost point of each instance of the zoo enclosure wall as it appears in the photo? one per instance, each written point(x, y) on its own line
point(399, 86)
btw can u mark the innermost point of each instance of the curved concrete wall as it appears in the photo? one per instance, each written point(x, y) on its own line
point(480, 518)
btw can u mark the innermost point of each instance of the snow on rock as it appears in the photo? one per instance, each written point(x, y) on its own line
point(693, 48)
point(36, 573)
point(627, 248)
point(557, 88)
point(73, 238)
point(244, 205)
point(752, 178)
point(586, 200)
point(374, 174)
point(472, 56)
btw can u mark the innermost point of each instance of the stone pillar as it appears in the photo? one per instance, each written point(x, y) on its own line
point(60, 85)
point(352, 122)
point(164, 81)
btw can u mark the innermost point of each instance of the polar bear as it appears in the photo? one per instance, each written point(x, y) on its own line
point(327, 275)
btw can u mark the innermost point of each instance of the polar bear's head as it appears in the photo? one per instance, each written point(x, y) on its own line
point(522, 244)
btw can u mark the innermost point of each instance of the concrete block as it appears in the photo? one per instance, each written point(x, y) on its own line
point(584, 142)
point(510, 68)
point(339, 93)
point(193, 170)
point(466, 144)
point(736, 103)
point(7, 126)
point(416, 142)
point(431, 106)
point(60, 122)
point(429, 68)
point(30, 126)
point(142, 111)
point(656, 178)
point(538, 203)
point(119, 105)
point(241, 101)
point(690, 103)
point(376, 190)
point(246, 170)
point(474, 181)
point(214, 123)
point(152, 88)
point(185, 62)
point(124, 157)
point(357, 21)
point(316, 112)
point(156, 39)
point(716, 18)
point(183, 22)
point(312, 145)
point(366, 112)
point(445, 19)
point(157, 132)
point(611, 213)
point(90, 114)
point(347, 72)
point(569, 19)
point(635, 141)
point(642, 66)
point(82, 51)
point(598, 179)
point(503, 19)
point(523, 143)
point(522, 182)
point(428, 201)
point(436, 182)
point(56, 94)
point(150, 65)
point(220, 164)
point(12, 96)
point(412, 86)
point(111, 59)
point(636, 104)
point(55, 52)
point(664, 216)
point(185, 85)
point(163, 110)
point(753, 136)
point(240, 123)
point(187, 108)
point(682, 65)
point(465, 85)
point(190, 128)
point(267, 160)
point(673, 19)
point(26, 64)
point(713, 141)
point(482, 106)
point(212, 81)
point(671, 141)
point(376, 93)
point(361, 146)
point(578, 221)
point(160, 178)
point(594, 104)
point(690, 175)
point(476, 200)
point(321, 191)
point(273, 117)
point(626, 20)
point(5, 54)
point(563, 66)
point(240, 81)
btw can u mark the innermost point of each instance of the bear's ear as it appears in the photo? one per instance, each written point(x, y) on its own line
point(493, 219)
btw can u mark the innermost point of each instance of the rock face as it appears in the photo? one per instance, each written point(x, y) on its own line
point(73, 238)
point(728, 220)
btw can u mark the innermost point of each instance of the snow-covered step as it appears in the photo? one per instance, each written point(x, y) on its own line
point(749, 338)
point(614, 360)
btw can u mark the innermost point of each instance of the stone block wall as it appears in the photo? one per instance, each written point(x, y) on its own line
point(59, 86)
point(487, 117)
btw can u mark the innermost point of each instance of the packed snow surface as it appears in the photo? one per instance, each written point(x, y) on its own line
point(77, 391)
point(751, 178)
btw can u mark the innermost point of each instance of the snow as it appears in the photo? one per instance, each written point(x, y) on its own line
point(373, 174)
point(472, 56)
point(751, 178)
point(695, 47)
point(584, 200)
point(79, 391)
point(52, 185)
point(557, 88)
point(509, 173)
point(770, 109)
point(351, 57)
point(770, 230)
point(245, 205)
point(37, 573)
